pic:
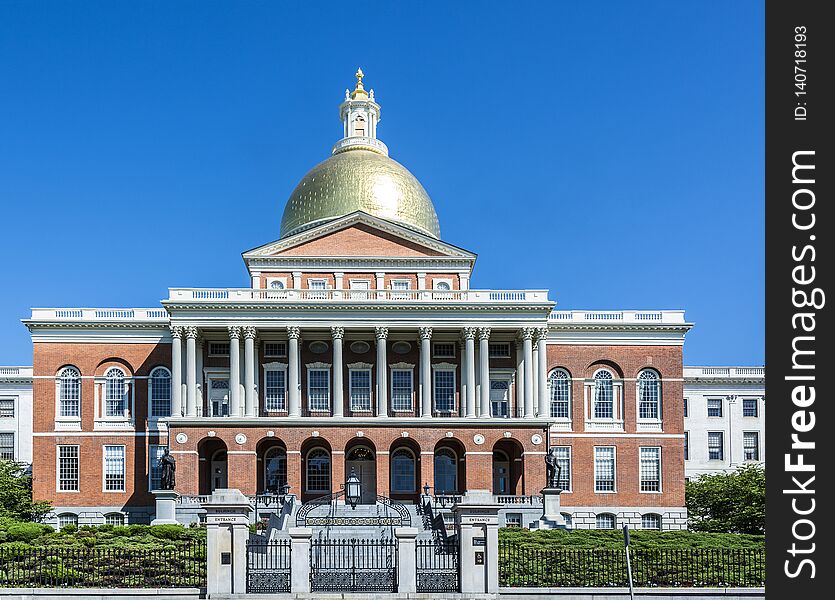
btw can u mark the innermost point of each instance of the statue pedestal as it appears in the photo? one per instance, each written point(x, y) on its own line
point(166, 513)
point(551, 516)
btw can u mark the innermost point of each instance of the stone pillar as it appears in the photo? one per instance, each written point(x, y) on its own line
point(249, 372)
point(381, 334)
point(425, 371)
point(527, 351)
point(542, 374)
point(191, 371)
point(227, 530)
point(166, 512)
point(469, 361)
point(300, 559)
point(297, 280)
point(380, 284)
point(337, 333)
point(293, 389)
point(235, 371)
point(176, 371)
point(551, 516)
point(484, 370)
point(406, 560)
point(477, 517)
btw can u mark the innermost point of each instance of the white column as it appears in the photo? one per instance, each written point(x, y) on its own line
point(191, 371)
point(542, 373)
point(484, 369)
point(293, 390)
point(469, 360)
point(337, 333)
point(425, 371)
point(199, 404)
point(235, 371)
point(176, 371)
point(250, 400)
point(256, 280)
point(465, 281)
point(520, 379)
point(527, 350)
point(535, 371)
point(381, 334)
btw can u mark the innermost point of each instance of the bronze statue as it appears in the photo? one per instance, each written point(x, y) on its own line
point(167, 466)
point(554, 469)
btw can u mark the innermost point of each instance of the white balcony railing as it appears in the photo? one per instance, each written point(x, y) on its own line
point(724, 372)
point(627, 317)
point(100, 314)
point(15, 371)
point(223, 295)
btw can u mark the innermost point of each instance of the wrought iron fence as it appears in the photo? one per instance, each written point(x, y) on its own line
point(437, 566)
point(268, 566)
point(353, 565)
point(35, 567)
point(564, 567)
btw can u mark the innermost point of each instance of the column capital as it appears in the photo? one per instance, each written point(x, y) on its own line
point(337, 332)
point(234, 332)
point(526, 333)
point(425, 333)
point(484, 333)
point(381, 333)
point(294, 332)
point(176, 331)
point(469, 333)
point(249, 332)
point(541, 333)
point(191, 332)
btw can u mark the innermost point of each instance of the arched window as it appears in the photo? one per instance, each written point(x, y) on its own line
point(69, 392)
point(446, 471)
point(560, 384)
point(115, 519)
point(319, 470)
point(606, 521)
point(65, 519)
point(275, 469)
point(276, 285)
point(402, 471)
point(649, 395)
point(160, 393)
point(651, 521)
point(115, 393)
point(443, 286)
point(604, 398)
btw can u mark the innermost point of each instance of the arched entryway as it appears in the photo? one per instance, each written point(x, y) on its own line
point(449, 468)
point(272, 465)
point(507, 468)
point(316, 469)
point(361, 458)
point(213, 469)
point(404, 470)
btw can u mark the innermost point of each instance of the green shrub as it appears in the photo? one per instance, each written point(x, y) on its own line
point(69, 529)
point(168, 532)
point(27, 532)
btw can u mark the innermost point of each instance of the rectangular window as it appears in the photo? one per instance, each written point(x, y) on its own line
point(67, 468)
point(443, 350)
point(498, 350)
point(401, 389)
point(114, 468)
point(749, 407)
point(318, 389)
point(154, 472)
point(513, 520)
point(273, 349)
point(564, 464)
point(686, 445)
point(6, 407)
point(714, 407)
point(685, 407)
point(218, 348)
point(444, 389)
point(359, 385)
point(604, 469)
point(6, 446)
point(275, 390)
point(317, 284)
point(651, 469)
point(401, 284)
point(715, 445)
point(751, 445)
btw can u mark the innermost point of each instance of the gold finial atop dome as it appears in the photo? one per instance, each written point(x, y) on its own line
point(359, 92)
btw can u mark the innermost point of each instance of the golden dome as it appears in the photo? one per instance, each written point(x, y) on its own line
point(359, 179)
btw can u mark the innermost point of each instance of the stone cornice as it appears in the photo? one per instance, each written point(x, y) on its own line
point(366, 307)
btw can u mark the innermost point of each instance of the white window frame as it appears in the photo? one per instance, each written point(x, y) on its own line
point(272, 367)
point(402, 368)
point(756, 402)
point(649, 423)
point(100, 399)
point(68, 422)
point(614, 489)
point(280, 280)
point(151, 416)
point(414, 472)
point(756, 435)
point(660, 470)
point(58, 468)
point(104, 469)
point(570, 488)
point(607, 514)
point(13, 401)
point(721, 446)
point(655, 515)
point(446, 280)
point(360, 368)
point(319, 367)
point(13, 446)
point(63, 517)
point(552, 374)
point(616, 422)
point(307, 473)
point(444, 367)
point(110, 515)
point(151, 452)
point(218, 375)
point(721, 408)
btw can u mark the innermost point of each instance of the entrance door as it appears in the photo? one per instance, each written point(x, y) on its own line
point(361, 460)
point(219, 397)
point(219, 470)
point(499, 397)
point(501, 473)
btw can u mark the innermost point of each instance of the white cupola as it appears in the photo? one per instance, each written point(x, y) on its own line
point(359, 114)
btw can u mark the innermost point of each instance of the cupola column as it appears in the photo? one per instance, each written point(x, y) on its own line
point(484, 369)
point(235, 371)
point(293, 390)
point(337, 333)
point(425, 371)
point(381, 334)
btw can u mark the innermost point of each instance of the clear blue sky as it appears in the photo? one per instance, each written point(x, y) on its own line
point(609, 151)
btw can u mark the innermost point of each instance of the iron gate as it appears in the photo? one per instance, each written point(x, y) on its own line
point(353, 565)
point(268, 566)
point(437, 565)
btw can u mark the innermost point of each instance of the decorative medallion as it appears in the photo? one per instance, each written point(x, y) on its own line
point(315, 434)
point(212, 433)
point(271, 434)
point(401, 347)
point(360, 347)
point(181, 438)
point(404, 434)
point(507, 434)
point(536, 439)
point(241, 439)
point(360, 434)
point(478, 439)
point(449, 434)
point(318, 347)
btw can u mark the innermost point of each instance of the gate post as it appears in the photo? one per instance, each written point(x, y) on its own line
point(406, 559)
point(477, 518)
point(300, 559)
point(227, 531)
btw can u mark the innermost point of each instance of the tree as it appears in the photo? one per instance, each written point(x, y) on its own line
point(728, 502)
point(16, 494)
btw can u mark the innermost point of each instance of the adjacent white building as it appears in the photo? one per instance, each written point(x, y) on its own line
point(16, 414)
point(724, 418)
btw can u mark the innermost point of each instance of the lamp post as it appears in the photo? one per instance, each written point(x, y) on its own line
point(353, 489)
